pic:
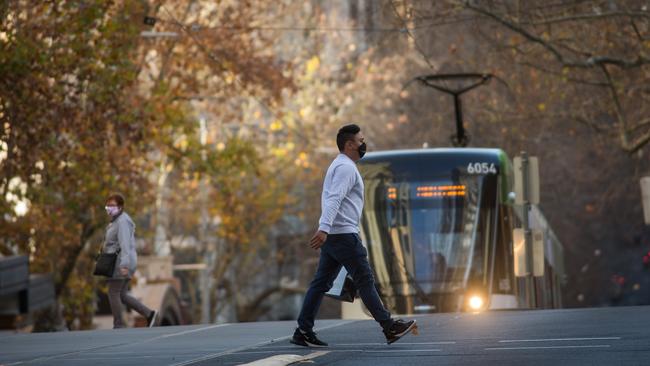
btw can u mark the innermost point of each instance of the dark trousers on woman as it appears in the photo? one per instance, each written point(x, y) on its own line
point(117, 294)
point(343, 250)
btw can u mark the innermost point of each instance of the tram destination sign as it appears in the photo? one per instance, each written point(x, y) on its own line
point(432, 191)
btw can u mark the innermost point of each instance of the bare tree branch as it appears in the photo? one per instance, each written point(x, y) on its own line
point(516, 28)
point(588, 63)
point(620, 114)
point(167, 56)
point(639, 37)
point(593, 16)
point(638, 144)
point(587, 122)
point(644, 122)
point(410, 34)
point(574, 80)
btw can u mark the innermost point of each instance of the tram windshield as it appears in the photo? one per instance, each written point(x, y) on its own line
point(425, 235)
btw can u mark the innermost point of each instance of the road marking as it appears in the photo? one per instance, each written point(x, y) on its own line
point(369, 344)
point(283, 360)
point(187, 332)
point(547, 347)
point(402, 343)
point(560, 339)
point(405, 350)
point(352, 350)
point(267, 351)
point(72, 353)
point(114, 358)
point(239, 349)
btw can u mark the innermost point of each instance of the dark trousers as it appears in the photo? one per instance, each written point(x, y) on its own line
point(117, 295)
point(342, 250)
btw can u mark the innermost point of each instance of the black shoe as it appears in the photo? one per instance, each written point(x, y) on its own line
point(306, 339)
point(399, 329)
point(151, 319)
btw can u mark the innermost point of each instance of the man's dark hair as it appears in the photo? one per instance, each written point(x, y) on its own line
point(346, 133)
point(117, 198)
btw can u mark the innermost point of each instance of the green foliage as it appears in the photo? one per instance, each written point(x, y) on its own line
point(78, 301)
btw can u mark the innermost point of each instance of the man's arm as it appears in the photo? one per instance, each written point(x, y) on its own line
point(343, 178)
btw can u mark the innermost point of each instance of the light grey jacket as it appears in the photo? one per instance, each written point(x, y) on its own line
point(342, 198)
point(120, 233)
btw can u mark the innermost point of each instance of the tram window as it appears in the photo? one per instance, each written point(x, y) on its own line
point(406, 243)
point(439, 226)
point(440, 221)
point(503, 256)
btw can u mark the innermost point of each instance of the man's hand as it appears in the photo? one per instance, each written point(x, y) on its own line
point(318, 239)
point(124, 271)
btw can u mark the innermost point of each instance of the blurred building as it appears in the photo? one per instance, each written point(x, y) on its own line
point(22, 293)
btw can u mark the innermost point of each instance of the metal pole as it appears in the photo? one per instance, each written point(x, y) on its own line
point(460, 129)
point(528, 237)
point(206, 274)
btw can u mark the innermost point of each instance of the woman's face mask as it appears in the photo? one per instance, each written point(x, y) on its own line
point(112, 210)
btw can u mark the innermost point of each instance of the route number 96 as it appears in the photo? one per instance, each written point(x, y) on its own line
point(481, 168)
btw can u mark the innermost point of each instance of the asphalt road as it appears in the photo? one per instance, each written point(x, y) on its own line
point(603, 336)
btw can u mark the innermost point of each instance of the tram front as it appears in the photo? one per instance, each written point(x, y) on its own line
point(430, 227)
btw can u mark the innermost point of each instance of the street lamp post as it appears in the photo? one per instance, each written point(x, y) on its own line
point(206, 274)
point(645, 198)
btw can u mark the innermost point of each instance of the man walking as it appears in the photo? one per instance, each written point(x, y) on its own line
point(338, 238)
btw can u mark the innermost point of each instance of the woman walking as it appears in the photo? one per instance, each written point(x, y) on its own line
point(120, 236)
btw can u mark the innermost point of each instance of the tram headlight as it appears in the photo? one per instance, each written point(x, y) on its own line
point(476, 302)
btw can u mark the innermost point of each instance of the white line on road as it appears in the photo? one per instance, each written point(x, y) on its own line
point(404, 350)
point(560, 339)
point(366, 344)
point(352, 350)
point(239, 349)
point(400, 343)
point(188, 332)
point(283, 360)
point(127, 358)
point(72, 353)
point(547, 347)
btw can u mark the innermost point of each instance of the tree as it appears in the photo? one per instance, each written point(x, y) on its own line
point(71, 131)
point(79, 122)
point(216, 65)
point(559, 40)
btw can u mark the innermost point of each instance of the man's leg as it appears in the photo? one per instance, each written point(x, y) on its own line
point(323, 280)
point(356, 263)
point(114, 290)
point(354, 257)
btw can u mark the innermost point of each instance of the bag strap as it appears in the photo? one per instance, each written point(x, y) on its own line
point(101, 249)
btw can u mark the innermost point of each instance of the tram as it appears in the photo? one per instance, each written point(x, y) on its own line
point(438, 225)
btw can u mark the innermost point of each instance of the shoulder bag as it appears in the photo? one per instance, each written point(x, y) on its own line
point(105, 263)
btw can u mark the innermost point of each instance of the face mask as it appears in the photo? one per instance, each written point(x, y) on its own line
point(362, 150)
point(112, 210)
